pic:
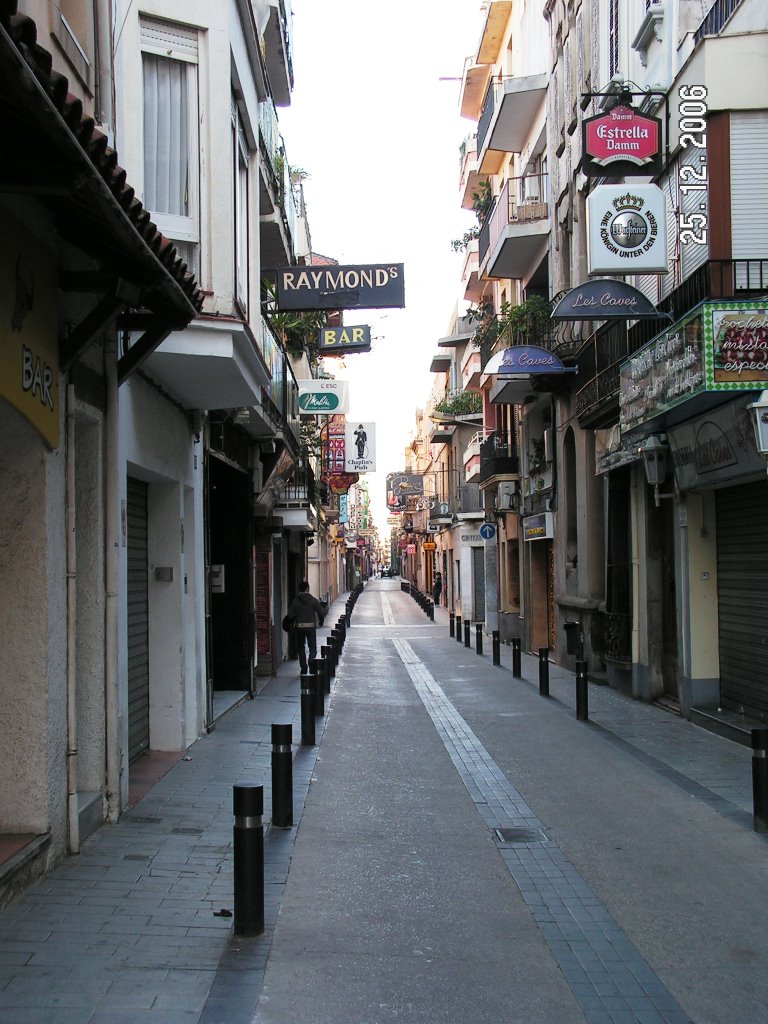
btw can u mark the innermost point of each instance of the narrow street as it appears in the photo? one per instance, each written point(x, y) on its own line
point(463, 849)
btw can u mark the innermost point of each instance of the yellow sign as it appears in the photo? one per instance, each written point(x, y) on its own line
point(429, 545)
point(29, 354)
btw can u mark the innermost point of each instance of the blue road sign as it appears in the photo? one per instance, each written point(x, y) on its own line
point(487, 531)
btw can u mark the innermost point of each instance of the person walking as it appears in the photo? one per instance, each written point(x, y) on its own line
point(437, 587)
point(307, 612)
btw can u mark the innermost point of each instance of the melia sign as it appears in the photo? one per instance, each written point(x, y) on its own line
point(371, 286)
point(621, 142)
point(322, 397)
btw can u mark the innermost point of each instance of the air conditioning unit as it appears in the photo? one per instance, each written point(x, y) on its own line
point(507, 497)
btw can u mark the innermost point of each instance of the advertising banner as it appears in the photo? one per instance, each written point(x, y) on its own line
point(627, 230)
point(400, 486)
point(334, 341)
point(371, 286)
point(323, 397)
point(360, 447)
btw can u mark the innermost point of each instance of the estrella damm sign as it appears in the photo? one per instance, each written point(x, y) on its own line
point(338, 340)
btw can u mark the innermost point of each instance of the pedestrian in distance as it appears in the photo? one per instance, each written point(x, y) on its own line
point(307, 613)
point(437, 587)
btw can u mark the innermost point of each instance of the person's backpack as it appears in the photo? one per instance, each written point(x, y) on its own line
point(289, 623)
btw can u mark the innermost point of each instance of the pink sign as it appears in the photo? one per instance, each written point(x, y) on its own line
point(622, 134)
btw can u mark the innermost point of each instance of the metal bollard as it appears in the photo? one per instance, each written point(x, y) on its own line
point(467, 632)
point(479, 638)
point(326, 656)
point(248, 855)
point(317, 667)
point(431, 610)
point(308, 711)
point(543, 671)
point(496, 637)
point(458, 628)
point(282, 776)
point(451, 623)
point(582, 692)
point(516, 659)
point(760, 779)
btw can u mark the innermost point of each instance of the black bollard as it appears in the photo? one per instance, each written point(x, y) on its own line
point(479, 638)
point(317, 667)
point(760, 779)
point(543, 671)
point(496, 637)
point(248, 856)
point(458, 628)
point(327, 659)
point(516, 659)
point(308, 711)
point(282, 776)
point(431, 610)
point(582, 692)
point(467, 633)
point(451, 623)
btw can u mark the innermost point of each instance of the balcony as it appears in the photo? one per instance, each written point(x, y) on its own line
point(278, 47)
point(469, 177)
point(474, 85)
point(716, 18)
point(472, 369)
point(509, 113)
point(470, 504)
point(457, 406)
point(597, 403)
point(498, 460)
point(277, 207)
point(296, 503)
point(471, 457)
point(513, 239)
point(471, 284)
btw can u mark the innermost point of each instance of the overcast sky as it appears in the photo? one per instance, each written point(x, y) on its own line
point(378, 133)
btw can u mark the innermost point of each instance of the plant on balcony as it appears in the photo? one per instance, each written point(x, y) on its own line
point(482, 202)
point(526, 324)
point(488, 328)
point(464, 404)
point(297, 332)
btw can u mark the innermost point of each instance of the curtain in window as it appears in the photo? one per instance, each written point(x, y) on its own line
point(166, 135)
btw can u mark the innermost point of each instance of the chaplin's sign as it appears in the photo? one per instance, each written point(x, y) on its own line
point(372, 286)
point(605, 299)
point(627, 230)
point(339, 340)
point(621, 142)
point(360, 447)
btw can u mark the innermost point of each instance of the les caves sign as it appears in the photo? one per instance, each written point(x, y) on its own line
point(370, 286)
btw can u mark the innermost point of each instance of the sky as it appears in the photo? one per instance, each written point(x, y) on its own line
point(378, 133)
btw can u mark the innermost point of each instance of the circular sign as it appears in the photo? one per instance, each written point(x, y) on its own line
point(629, 230)
point(487, 531)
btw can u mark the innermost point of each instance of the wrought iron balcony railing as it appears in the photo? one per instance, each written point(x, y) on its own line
point(716, 18)
point(521, 200)
point(497, 457)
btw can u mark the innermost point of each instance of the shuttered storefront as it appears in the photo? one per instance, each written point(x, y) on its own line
point(138, 620)
point(478, 584)
point(749, 190)
point(742, 592)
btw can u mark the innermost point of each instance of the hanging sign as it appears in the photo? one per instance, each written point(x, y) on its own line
point(334, 341)
point(360, 447)
point(538, 527)
point(400, 486)
point(526, 359)
point(604, 299)
point(323, 397)
point(621, 142)
point(627, 230)
point(371, 286)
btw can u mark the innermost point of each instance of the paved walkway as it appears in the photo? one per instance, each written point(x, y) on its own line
point(465, 851)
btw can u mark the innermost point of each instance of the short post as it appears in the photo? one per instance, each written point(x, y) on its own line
point(496, 637)
point(516, 659)
point(308, 710)
point(479, 638)
point(582, 692)
point(467, 632)
point(326, 657)
point(458, 628)
point(317, 667)
point(282, 776)
point(335, 644)
point(348, 614)
point(248, 857)
point(431, 610)
point(543, 671)
point(760, 779)
point(451, 623)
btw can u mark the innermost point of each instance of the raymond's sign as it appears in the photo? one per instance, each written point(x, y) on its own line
point(627, 230)
point(621, 142)
point(322, 397)
point(334, 341)
point(606, 300)
point(372, 286)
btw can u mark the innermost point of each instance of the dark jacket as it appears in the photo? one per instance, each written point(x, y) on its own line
point(306, 610)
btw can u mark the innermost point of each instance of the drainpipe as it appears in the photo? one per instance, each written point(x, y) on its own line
point(111, 577)
point(73, 818)
point(104, 83)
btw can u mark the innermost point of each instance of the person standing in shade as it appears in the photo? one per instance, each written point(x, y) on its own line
point(437, 587)
point(308, 614)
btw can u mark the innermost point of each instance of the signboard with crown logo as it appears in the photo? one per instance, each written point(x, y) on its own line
point(627, 230)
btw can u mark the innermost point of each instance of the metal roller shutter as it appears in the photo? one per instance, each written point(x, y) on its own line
point(742, 592)
point(138, 620)
point(478, 584)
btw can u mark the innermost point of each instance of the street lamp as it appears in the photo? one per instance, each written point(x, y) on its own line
point(760, 412)
point(655, 453)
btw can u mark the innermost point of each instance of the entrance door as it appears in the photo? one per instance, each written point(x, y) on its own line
point(138, 619)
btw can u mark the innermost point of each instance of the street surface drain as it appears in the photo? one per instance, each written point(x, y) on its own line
point(513, 836)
